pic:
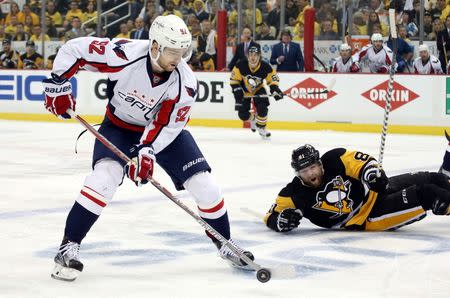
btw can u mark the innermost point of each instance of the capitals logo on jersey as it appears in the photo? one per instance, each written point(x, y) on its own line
point(118, 50)
point(335, 198)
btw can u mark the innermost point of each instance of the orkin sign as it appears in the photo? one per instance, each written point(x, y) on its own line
point(400, 95)
point(299, 93)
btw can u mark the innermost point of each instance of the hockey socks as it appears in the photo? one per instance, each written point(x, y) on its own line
point(78, 223)
point(221, 225)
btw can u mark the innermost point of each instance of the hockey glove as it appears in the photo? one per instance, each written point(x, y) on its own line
point(238, 97)
point(289, 219)
point(58, 96)
point(376, 184)
point(140, 168)
point(276, 92)
point(355, 67)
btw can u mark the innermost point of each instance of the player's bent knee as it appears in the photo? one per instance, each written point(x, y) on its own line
point(99, 187)
point(207, 194)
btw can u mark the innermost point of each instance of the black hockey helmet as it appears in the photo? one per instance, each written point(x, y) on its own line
point(255, 49)
point(304, 156)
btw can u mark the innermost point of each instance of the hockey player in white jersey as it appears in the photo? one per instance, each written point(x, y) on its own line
point(378, 55)
point(427, 63)
point(151, 90)
point(345, 63)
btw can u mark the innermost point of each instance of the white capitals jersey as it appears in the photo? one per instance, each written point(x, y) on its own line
point(431, 66)
point(379, 62)
point(158, 105)
point(342, 66)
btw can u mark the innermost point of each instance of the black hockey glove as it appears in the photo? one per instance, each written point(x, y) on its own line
point(376, 184)
point(276, 92)
point(289, 219)
point(238, 97)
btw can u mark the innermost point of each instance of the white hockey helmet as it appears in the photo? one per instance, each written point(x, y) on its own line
point(170, 32)
point(424, 48)
point(345, 47)
point(376, 37)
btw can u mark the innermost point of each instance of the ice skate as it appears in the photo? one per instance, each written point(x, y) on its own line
point(234, 260)
point(67, 264)
point(263, 132)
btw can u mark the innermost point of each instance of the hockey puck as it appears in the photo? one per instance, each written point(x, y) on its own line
point(263, 275)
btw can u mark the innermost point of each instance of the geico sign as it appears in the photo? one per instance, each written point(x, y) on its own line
point(25, 87)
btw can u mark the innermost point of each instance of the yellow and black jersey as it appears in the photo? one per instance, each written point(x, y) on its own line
point(252, 80)
point(342, 200)
point(9, 59)
point(34, 61)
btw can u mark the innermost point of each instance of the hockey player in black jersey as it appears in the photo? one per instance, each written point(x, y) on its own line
point(343, 189)
point(247, 82)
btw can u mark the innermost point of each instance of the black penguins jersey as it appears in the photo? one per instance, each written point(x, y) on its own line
point(252, 80)
point(342, 200)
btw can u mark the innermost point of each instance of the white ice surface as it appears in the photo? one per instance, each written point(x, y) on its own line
point(145, 246)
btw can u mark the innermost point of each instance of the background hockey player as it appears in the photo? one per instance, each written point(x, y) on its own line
point(342, 190)
point(345, 63)
point(247, 80)
point(378, 55)
point(427, 63)
point(151, 90)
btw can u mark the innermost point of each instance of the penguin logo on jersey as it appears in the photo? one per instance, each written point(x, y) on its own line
point(334, 197)
point(253, 81)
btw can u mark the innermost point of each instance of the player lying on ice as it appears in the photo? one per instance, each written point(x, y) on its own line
point(342, 190)
point(150, 93)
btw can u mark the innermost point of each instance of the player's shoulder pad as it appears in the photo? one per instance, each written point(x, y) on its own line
point(242, 64)
point(333, 153)
point(288, 190)
point(266, 66)
point(123, 51)
point(188, 79)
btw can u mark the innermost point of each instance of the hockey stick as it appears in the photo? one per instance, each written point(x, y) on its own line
point(327, 89)
point(387, 107)
point(262, 274)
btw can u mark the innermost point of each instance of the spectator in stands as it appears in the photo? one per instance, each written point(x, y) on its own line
point(250, 14)
point(91, 12)
point(231, 35)
point(207, 42)
point(436, 12)
point(14, 11)
point(74, 11)
point(302, 5)
point(326, 31)
point(27, 12)
point(135, 8)
point(325, 10)
point(199, 11)
point(50, 28)
point(438, 26)
point(443, 43)
point(53, 14)
point(30, 59)
point(12, 27)
point(241, 51)
point(9, 58)
point(375, 19)
point(150, 14)
point(130, 26)
point(411, 27)
point(264, 32)
point(273, 18)
point(20, 35)
point(212, 15)
point(300, 33)
point(38, 35)
point(358, 21)
point(287, 55)
point(124, 33)
point(170, 9)
point(35, 6)
point(28, 24)
point(75, 31)
point(291, 11)
point(427, 24)
point(445, 9)
point(195, 29)
point(3, 35)
point(140, 32)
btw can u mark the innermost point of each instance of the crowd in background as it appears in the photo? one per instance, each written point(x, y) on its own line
point(65, 19)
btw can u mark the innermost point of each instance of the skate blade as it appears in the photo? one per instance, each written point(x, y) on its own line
point(64, 273)
point(240, 267)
